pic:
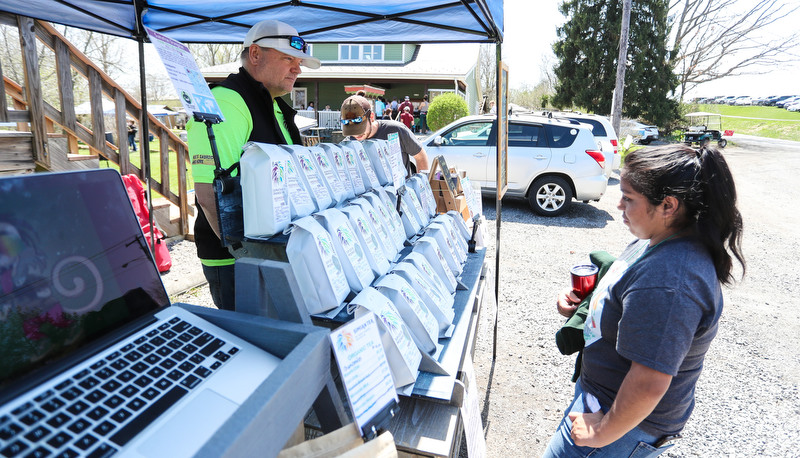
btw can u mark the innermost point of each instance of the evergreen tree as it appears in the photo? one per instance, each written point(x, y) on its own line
point(587, 59)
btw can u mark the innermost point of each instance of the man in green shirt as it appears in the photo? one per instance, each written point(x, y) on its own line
point(251, 103)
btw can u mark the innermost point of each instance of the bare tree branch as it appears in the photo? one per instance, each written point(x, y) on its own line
point(713, 39)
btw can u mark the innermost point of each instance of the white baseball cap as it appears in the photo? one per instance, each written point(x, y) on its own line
point(280, 37)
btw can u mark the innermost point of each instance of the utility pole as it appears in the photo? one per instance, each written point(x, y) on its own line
point(616, 103)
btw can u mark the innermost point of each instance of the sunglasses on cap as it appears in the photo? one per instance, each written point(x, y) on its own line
point(294, 41)
point(356, 120)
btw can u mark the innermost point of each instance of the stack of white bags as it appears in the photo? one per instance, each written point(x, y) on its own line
point(338, 203)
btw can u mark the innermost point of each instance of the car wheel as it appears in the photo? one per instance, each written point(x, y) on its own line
point(644, 142)
point(550, 196)
point(722, 143)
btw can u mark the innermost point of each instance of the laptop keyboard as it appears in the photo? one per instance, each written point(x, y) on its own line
point(97, 410)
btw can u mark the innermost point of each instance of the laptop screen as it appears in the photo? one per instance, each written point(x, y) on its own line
point(74, 266)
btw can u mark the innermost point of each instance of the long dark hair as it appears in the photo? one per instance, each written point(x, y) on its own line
point(702, 182)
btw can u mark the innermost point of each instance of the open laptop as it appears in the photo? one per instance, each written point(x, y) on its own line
point(93, 359)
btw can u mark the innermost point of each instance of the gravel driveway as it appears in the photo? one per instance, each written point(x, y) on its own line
point(748, 402)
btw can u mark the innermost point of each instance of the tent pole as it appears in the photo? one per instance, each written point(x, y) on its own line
point(499, 204)
point(144, 127)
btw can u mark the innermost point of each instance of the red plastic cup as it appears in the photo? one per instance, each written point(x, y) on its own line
point(584, 277)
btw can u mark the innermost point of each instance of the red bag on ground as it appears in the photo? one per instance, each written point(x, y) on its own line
point(139, 201)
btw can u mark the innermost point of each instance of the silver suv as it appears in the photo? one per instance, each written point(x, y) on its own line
point(605, 136)
point(550, 161)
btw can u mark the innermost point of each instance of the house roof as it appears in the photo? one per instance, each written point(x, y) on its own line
point(433, 62)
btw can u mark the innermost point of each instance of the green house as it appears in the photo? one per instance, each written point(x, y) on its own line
point(394, 70)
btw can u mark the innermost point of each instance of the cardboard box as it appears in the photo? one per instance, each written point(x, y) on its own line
point(446, 202)
point(462, 207)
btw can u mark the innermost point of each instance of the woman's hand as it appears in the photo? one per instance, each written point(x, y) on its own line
point(567, 302)
point(584, 429)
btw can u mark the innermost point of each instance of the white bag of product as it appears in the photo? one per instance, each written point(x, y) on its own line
point(401, 351)
point(446, 245)
point(441, 261)
point(307, 169)
point(351, 162)
point(265, 195)
point(316, 265)
point(458, 236)
point(413, 311)
point(408, 215)
point(300, 200)
point(421, 211)
point(381, 226)
point(390, 217)
point(329, 174)
point(348, 247)
point(439, 304)
point(336, 156)
point(368, 236)
point(416, 183)
point(375, 152)
point(368, 175)
point(459, 224)
point(458, 243)
point(446, 284)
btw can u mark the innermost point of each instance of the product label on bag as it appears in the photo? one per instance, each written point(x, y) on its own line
point(330, 175)
point(331, 262)
point(310, 170)
point(280, 201)
point(297, 192)
point(354, 251)
point(396, 160)
point(352, 170)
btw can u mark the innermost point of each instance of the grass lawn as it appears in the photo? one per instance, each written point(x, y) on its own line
point(771, 122)
point(155, 165)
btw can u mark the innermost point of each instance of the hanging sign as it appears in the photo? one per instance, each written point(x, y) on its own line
point(185, 75)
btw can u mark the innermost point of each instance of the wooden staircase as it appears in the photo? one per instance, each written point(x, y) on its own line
point(48, 138)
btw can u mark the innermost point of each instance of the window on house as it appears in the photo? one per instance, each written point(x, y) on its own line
point(361, 53)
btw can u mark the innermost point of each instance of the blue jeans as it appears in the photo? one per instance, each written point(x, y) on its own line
point(635, 444)
point(221, 285)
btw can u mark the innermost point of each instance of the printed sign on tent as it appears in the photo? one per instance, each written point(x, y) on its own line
point(185, 75)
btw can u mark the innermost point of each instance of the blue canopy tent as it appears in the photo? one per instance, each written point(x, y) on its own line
point(420, 21)
point(318, 21)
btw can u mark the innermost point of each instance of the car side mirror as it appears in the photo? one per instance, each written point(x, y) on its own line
point(438, 141)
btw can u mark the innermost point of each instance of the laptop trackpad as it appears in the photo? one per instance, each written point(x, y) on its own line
point(184, 433)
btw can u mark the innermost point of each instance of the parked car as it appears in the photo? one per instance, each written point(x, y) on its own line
point(642, 133)
point(776, 100)
point(787, 101)
point(605, 136)
point(550, 161)
point(793, 107)
point(743, 100)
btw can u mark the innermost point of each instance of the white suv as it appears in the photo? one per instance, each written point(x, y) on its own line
point(550, 161)
point(603, 132)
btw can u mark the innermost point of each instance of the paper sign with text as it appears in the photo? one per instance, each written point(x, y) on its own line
point(363, 368)
point(185, 75)
point(396, 160)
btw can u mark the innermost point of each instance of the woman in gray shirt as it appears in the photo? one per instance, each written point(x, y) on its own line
point(655, 312)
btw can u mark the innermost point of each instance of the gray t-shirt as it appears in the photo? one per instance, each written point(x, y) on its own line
point(409, 144)
point(662, 313)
